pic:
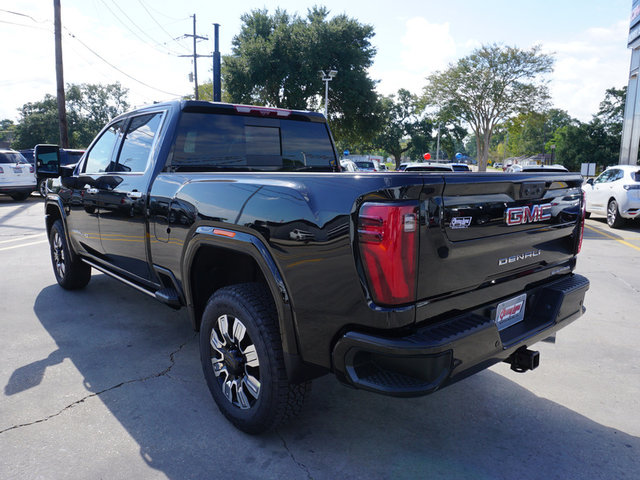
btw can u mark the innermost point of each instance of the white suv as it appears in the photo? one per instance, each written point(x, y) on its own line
point(17, 177)
point(615, 193)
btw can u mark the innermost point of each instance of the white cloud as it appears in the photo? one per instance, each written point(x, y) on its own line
point(426, 48)
point(585, 67)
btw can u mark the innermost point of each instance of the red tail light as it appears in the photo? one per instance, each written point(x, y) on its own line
point(1, 170)
point(31, 170)
point(584, 212)
point(388, 238)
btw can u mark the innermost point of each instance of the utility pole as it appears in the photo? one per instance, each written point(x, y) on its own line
point(62, 111)
point(217, 89)
point(195, 54)
point(438, 147)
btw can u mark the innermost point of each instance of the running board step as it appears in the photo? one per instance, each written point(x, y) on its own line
point(169, 296)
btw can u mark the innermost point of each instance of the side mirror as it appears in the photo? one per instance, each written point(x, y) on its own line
point(590, 181)
point(47, 160)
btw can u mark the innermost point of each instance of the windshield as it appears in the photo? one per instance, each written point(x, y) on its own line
point(460, 168)
point(12, 157)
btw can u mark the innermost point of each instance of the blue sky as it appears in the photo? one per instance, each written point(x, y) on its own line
point(413, 39)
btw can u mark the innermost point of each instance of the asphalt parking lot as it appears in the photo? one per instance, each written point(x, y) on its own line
point(105, 383)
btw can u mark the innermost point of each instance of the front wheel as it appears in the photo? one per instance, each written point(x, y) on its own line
point(242, 359)
point(71, 272)
point(614, 220)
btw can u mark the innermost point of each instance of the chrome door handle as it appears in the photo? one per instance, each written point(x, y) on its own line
point(134, 194)
point(92, 191)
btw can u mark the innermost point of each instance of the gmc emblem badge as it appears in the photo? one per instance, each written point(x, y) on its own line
point(522, 215)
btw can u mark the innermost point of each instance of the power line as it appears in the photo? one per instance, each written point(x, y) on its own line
point(163, 29)
point(155, 42)
point(23, 15)
point(116, 68)
point(26, 26)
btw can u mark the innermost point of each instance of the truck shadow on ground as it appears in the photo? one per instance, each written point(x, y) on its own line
point(141, 360)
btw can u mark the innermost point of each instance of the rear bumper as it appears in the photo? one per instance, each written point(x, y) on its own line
point(437, 355)
point(17, 188)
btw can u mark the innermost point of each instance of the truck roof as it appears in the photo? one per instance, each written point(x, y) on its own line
point(200, 106)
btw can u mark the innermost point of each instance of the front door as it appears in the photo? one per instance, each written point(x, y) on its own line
point(80, 192)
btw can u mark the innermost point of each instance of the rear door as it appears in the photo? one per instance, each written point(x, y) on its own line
point(496, 226)
point(122, 196)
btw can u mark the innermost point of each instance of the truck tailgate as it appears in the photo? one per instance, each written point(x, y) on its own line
point(497, 227)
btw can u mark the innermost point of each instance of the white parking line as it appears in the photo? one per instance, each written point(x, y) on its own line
point(24, 237)
point(22, 245)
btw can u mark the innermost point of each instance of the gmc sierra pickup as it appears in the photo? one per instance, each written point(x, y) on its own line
point(398, 283)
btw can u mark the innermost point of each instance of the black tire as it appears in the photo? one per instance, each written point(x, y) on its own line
point(245, 368)
point(42, 187)
point(587, 214)
point(71, 273)
point(614, 220)
point(20, 197)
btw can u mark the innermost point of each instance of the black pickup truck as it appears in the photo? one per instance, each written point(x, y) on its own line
point(398, 283)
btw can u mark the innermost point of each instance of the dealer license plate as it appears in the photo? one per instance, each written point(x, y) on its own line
point(511, 311)
point(17, 170)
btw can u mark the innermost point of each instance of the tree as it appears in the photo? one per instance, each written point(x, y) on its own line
point(403, 128)
point(530, 133)
point(276, 59)
point(7, 129)
point(89, 108)
point(489, 86)
point(597, 141)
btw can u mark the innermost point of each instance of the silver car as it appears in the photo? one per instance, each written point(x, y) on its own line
point(615, 193)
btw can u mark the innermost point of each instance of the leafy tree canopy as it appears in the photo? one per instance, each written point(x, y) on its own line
point(276, 61)
point(489, 86)
point(403, 127)
point(89, 108)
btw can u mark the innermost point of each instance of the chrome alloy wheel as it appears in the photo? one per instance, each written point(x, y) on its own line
point(612, 212)
point(235, 362)
point(59, 260)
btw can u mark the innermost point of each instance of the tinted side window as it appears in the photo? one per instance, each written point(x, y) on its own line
point(617, 175)
point(230, 142)
point(100, 155)
point(604, 177)
point(138, 143)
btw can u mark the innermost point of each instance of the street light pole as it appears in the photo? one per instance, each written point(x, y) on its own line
point(326, 78)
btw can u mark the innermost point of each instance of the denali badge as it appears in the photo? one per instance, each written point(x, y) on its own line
point(460, 222)
point(518, 257)
point(521, 215)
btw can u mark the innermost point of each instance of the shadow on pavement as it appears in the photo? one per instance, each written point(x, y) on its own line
point(142, 358)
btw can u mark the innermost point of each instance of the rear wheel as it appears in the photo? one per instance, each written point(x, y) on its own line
point(242, 359)
point(614, 220)
point(71, 273)
point(42, 187)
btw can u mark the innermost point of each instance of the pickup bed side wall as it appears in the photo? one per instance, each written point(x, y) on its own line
point(307, 224)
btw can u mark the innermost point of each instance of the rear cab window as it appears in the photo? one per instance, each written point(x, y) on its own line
point(220, 142)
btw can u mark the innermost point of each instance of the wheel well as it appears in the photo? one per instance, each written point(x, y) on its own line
point(52, 214)
point(214, 268)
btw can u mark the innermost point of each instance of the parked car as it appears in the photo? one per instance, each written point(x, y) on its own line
point(428, 167)
point(366, 166)
point(348, 166)
point(17, 178)
point(536, 168)
point(615, 193)
point(460, 167)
